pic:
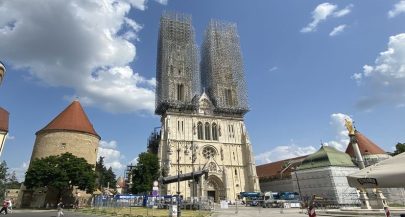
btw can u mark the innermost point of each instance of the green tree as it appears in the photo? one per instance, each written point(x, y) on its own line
point(3, 178)
point(61, 173)
point(400, 148)
point(12, 181)
point(145, 172)
point(105, 177)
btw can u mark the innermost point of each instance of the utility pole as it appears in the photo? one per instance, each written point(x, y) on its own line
point(178, 181)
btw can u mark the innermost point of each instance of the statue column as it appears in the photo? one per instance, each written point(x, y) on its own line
point(365, 203)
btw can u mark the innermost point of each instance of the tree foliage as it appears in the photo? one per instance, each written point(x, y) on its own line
point(3, 178)
point(62, 173)
point(145, 172)
point(105, 177)
point(400, 148)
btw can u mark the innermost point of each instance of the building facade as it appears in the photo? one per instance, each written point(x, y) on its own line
point(202, 116)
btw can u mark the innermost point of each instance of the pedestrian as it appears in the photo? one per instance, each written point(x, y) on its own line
point(60, 209)
point(5, 207)
point(10, 205)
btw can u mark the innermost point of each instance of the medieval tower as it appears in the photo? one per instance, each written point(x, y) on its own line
point(202, 115)
point(70, 131)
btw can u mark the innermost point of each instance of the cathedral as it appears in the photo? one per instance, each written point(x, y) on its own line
point(202, 106)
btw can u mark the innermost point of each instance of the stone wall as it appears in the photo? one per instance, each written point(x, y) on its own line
point(55, 143)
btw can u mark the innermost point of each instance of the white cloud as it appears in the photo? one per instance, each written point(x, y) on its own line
point(322, 12)
point(341, 140)
point(283, 152)
point(398, 9)
point(385, 79)
point(345, 11)
point(86, 46)
point(20, 171)
point(10, 137)
point(112, 156)
point(274, 68)
point(337, 30)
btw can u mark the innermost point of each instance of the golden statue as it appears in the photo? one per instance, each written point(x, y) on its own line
point(349, 126)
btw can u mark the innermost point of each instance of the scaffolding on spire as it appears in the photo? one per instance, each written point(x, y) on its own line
point(178, 78)
point(222, 68)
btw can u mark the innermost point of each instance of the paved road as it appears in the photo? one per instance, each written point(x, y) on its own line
point(258, 212)
point(45, 213)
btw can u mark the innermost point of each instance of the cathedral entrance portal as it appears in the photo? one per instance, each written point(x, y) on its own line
point(215, 188)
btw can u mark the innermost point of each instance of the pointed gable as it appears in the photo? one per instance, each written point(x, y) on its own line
point(73, 118)
point(366, 146)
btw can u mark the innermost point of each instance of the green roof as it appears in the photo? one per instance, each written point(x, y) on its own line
point(326, 156)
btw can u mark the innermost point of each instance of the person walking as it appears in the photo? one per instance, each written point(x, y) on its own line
point(10, 205)
point(5, 207)
point(60, 209)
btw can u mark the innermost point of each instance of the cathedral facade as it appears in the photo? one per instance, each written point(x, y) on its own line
point(202, 107)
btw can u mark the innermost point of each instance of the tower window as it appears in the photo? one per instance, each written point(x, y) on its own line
point(207, 131)
point(200, 130)
point(214, 132)
point(228, 97)
point(180, 92)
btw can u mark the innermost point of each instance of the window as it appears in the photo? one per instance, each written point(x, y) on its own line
point(180, 92)
point(209, 152)
point(228, 97)
point(214, 132)
point(200, 130)
point(236, 172)
point(207, 131)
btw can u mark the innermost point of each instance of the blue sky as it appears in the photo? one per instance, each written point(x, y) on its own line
point(308, 65)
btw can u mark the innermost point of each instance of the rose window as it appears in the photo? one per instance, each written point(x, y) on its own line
point(209, 152)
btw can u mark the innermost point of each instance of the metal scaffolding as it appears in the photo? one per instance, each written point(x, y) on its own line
point(222, 68)
point(178, 78)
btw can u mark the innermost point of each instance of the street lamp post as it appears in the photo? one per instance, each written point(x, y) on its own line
point(178, 181)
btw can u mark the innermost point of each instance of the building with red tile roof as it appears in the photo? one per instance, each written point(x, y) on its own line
point(70, 131)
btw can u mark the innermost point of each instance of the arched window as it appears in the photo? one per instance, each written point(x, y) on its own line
point(180, 92)
point(214, 132)
point(236, 172)
point(207, 131)
point(200, 130)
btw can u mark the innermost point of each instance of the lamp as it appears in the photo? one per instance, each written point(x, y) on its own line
point(3, 127)
point(2, 71)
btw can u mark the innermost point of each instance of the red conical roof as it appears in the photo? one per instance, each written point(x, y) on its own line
point(366, 146)
point(73, 118)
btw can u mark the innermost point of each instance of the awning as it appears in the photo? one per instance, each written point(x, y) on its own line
point(388, 173)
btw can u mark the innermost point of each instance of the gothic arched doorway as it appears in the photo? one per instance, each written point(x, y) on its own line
point(215, 188)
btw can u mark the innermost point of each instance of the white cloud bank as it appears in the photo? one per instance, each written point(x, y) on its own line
point(340, 142)
point(86, 46)
point(399, 8)
point(337, 30)
point(324, 11)
point(112, 156)
point(385, 79)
